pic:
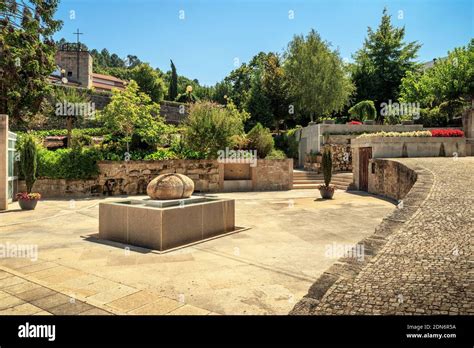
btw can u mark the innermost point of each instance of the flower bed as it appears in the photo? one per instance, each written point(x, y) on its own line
point(396, 134)
point(447, 133)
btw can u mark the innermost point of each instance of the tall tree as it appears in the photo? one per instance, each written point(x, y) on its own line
point(241, 81)
point(149, 81)
point(382, 62)
point(275, 88)
point(173, 89)
point(450, 79)
point(26, 55)
point(317, 80)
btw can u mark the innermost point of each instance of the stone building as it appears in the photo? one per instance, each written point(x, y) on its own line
point(77, 68)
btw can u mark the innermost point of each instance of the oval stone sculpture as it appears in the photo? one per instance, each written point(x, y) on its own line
point(170, 186)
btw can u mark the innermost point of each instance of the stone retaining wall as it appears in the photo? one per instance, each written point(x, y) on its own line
point(341, 159)
point(402, 147)
point(132, 177)
point(390, 179)
point(273, 175)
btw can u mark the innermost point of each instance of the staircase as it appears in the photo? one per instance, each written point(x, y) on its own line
point(310, 180)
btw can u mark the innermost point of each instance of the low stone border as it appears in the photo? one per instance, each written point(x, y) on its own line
point(348, 268)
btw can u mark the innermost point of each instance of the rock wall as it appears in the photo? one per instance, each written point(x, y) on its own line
point(390, 178)
point(341, 159)
point(273, 175)
point(132, 177)
point(174, 113)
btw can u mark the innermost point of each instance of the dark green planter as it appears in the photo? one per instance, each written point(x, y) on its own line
point(28, 204)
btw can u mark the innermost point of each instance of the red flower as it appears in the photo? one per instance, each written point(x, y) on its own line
point(447, 133)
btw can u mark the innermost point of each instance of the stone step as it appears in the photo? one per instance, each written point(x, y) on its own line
point(320, 174)
point(312, 186)
point(317, 182)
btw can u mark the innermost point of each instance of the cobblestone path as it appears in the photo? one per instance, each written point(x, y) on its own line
point(424, 264)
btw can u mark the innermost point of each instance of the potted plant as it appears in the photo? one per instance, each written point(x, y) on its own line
point(28, 164)
point(327, 190)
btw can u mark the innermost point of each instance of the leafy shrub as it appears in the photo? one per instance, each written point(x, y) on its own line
point(392, 119)
point(69, 163)
point(433, 117)
point(132, 112)
point(364, 110)
point(240, 141)
point(160, 154)
point(210, 127)
point(288, 143)
point(260, 139)
point(276, 154)
point(447, 133)
point(81, 140)
point(181, 150)
point(63, 132)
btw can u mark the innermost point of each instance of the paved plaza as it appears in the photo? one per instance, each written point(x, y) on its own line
point(264, 269)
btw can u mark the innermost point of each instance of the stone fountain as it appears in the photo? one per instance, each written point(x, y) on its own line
point(171, 217)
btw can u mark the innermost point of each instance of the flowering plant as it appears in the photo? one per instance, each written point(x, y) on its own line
point(447, 133)
point(28, 196)
point(396, 134)
point(331, 187)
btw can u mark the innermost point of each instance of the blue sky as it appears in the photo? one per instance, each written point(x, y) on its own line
point(214, 35)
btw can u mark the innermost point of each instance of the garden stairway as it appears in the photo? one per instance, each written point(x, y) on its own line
point(310, 180)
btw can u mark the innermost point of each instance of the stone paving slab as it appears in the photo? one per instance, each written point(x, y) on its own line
point(19, 295)
point(424, 261)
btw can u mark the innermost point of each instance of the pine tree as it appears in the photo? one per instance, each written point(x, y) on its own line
point(382, 62)
point(173, 90)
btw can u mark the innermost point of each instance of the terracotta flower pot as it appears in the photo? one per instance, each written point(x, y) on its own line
point(327, 192)
point(27, 204)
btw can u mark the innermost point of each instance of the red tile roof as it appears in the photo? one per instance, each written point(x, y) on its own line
point(107, 87)
point(107, 77)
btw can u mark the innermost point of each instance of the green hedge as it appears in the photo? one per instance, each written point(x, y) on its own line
point(69, 163)
point(63, 132)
